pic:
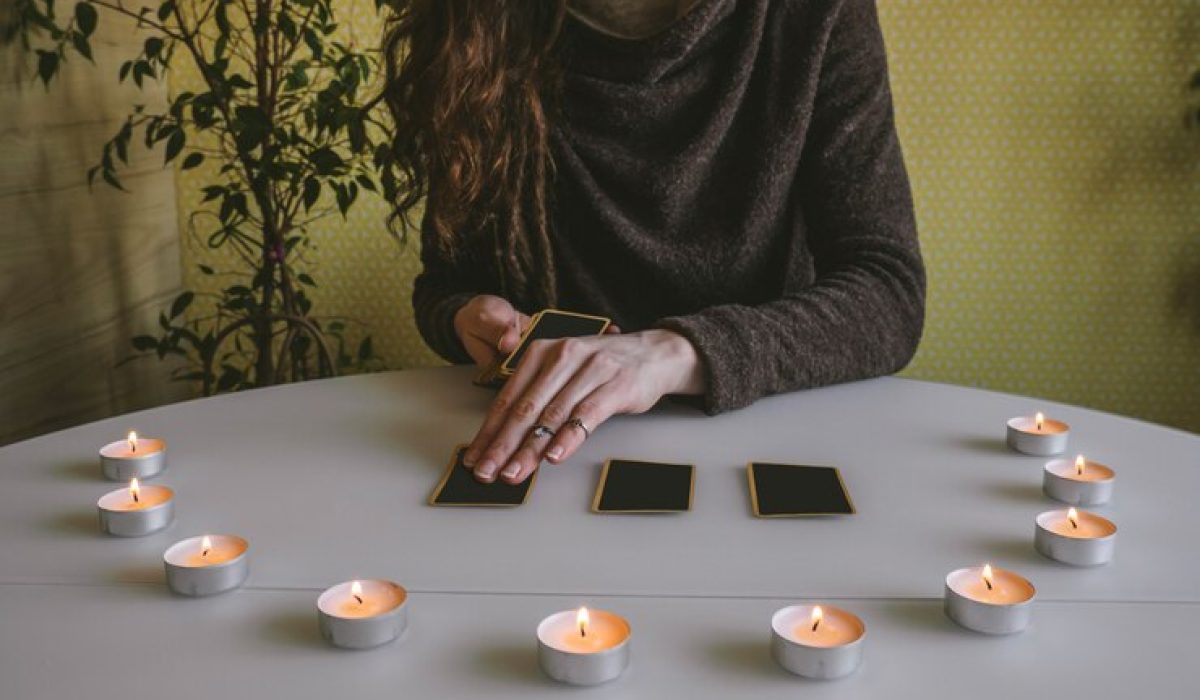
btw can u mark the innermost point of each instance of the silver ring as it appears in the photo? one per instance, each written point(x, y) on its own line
point(542, 431)
point(578, 423)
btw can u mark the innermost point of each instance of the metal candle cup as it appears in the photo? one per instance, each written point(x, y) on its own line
point(360, 617)
point(598, 656)
point(1089, 541)
point(192, 572)
point(1027, 436)
point(133, 458)
point(124, 516)
point(1003, 609)
point(1062, 481)
point(832, 650)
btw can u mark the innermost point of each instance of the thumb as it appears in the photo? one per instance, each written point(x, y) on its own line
point(509, 339)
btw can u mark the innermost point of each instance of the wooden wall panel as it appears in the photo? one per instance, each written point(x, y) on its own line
point(80, 272)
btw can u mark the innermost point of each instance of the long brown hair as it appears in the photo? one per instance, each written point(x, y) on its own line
point(471, 85)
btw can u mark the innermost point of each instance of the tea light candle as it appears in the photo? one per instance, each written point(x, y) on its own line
point(207, 565)
point(987, 600)
point(1075, 537)
point(817, 641)
point(362, 614)
point(133, 457)
point(583, 647)
point(1080, 483)
point(136, 511)
point(1037, 435)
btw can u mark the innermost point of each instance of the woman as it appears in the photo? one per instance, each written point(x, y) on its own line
point(722, 178)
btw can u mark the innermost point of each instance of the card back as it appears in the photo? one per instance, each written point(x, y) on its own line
point(794, 490)
point(551, 324)
point(631, 486)
point(459, 487)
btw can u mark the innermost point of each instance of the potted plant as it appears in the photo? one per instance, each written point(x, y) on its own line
point(285, 133)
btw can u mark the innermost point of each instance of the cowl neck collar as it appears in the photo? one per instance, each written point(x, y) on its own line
point(594, 53)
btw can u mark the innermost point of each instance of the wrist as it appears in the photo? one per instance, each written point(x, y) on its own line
point(684, 368)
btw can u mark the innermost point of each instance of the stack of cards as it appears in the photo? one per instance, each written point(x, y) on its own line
point(635, 486)
point(545, 325)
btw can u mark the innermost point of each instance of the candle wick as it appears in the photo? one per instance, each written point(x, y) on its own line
point(204, 552)
point(815, 623)
point(582, 631)
point(359, 599)
point(989, 584)
point(136, 499)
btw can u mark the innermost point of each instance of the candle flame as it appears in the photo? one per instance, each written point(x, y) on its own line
point(1039, 420)
point(1080, 463)
point(205, 546)
point(1073, 518)
point(356, 591)
point(987, 575)
point(135, 490)
point(582, 620)
point(817, 616)
point(132, 440)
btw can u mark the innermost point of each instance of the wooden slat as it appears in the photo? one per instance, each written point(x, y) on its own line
point(80, 272)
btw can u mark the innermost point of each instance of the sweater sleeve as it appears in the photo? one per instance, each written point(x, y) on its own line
point(444, 285)
point(863, 315)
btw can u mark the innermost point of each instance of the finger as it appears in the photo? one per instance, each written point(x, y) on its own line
point(481, 353)
point(494, 327)
point(557, 365)
point(596, 408)
point(510, 337)
point(498, 413)
point(593, 373)
point(565, 406)
point(480, 325)
point(612, 329)
point(526, 459)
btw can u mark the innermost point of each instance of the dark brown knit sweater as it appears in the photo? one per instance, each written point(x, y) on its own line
point(735, 178)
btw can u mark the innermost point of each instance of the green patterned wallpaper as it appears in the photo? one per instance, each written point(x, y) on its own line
point(1056, 190)
point(1057, 196)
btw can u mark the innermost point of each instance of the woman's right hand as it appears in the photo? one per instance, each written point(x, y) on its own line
point(489, 328)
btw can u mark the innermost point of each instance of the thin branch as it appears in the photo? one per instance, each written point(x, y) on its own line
point(120, 9)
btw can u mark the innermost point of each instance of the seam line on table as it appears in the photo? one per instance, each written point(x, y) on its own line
point(598, 594)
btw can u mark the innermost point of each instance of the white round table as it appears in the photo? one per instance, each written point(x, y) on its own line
point(328, 481)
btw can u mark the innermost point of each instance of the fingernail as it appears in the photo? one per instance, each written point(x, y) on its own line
point(511, 471)
point(555, 452)
point(469, 459)
point(486, 470)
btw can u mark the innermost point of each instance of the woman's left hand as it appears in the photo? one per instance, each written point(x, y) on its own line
point(571, 386)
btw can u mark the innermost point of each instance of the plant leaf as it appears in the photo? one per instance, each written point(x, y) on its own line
point(47, 65)
point(85, 17)
point(174, 145)
point(80, 42)
point(142, 343)
point(152, 46)
point(181, 303)
point(312, 190)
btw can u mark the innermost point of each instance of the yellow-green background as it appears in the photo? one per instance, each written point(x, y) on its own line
point(1056, 195)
